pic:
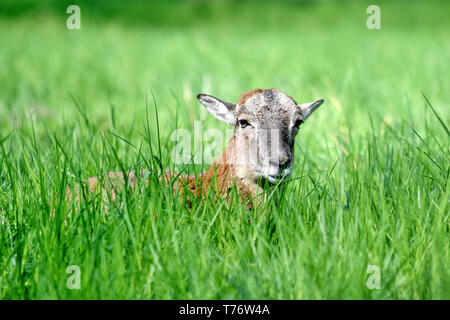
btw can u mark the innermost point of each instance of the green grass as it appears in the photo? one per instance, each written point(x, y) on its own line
point(372, 167)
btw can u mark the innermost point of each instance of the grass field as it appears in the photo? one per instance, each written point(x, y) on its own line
point(370, 186)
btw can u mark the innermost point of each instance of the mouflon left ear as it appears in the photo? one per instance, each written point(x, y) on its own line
point(222, 110)
point(308, 108)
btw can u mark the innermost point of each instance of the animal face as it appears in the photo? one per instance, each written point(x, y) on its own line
point(266, 123)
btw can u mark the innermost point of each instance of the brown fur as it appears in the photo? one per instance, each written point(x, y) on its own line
point(247, 95)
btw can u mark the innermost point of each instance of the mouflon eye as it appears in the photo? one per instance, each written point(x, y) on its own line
point(243, 123)
point(298, 123)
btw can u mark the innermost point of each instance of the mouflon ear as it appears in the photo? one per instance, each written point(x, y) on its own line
point(222, 110)
point(308, 108)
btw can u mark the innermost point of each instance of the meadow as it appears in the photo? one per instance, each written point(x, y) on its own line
point(370, 185)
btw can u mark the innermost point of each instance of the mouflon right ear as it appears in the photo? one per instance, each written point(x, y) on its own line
point(222, 110)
